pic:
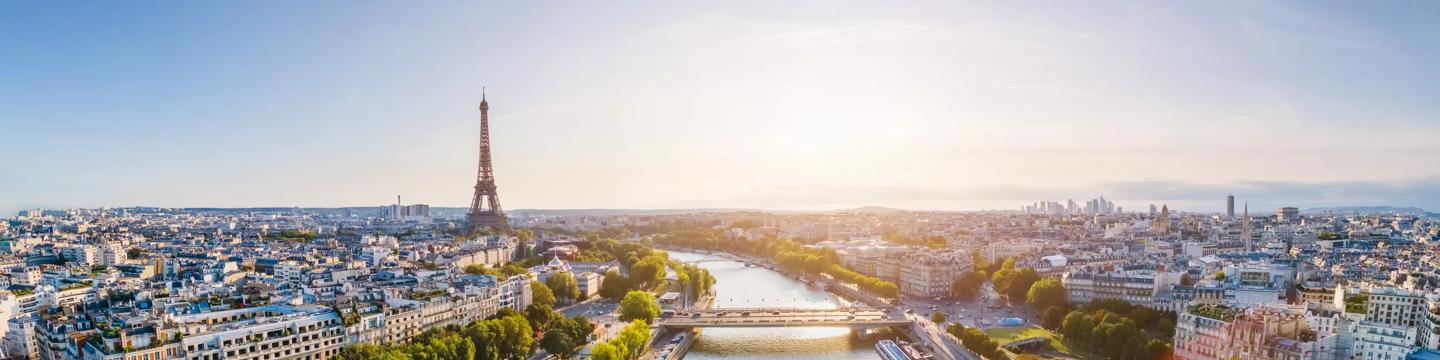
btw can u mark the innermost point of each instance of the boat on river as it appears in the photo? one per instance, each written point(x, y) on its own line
point(888, 350)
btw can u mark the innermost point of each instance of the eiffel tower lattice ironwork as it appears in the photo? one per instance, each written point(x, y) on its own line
point(485, 214)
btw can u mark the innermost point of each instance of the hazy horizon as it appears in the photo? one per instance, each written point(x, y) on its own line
point(664, 105)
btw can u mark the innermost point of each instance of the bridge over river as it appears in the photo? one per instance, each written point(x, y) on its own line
point(855, 318)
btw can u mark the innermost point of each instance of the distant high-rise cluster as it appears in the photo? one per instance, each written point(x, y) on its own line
point(400, 212)
point(1070, 207)
point(1287, 213)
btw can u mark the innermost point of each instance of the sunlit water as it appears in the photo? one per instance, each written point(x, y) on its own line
point(738, 286)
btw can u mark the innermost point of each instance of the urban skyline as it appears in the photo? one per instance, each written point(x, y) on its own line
point(748, 180)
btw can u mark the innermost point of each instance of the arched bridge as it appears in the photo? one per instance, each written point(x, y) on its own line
point(860, 318)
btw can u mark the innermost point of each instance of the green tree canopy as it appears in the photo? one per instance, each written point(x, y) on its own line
point(639, 305)
point(564, 286)
point(607, 351)
point(614, 285)
point(540, 294)
point(1047, 293)
point(1019, 286)
point(968, 285)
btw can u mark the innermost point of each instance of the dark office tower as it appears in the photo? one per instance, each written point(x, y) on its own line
point(1230, 205)
point(485, 213)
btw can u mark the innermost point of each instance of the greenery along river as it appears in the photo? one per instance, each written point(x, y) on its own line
point(738, 286)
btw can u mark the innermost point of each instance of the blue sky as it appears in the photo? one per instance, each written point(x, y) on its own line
point(783, 105)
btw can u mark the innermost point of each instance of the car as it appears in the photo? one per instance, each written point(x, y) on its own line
point(775, 313)
point(909, 311)
point(695, 315)
point(986, 322)
point(747, 313)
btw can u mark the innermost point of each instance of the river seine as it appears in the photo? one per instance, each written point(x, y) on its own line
point(738, 286)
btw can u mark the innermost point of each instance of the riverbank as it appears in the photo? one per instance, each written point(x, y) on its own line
point(741, 286)
point(825, 282)
point(931, 339)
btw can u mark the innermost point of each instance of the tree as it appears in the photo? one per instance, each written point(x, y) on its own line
point(968, 285)
point(1001, 280)
point(614, 284)
point(1076, 327)
point(540, 294)
point(540, 315)
point(1020, 284)
point(480, 269)
point(634, 336)
point(569, 334)
point(1157, 349)
point(1143, 317)
point(648, 271)
point(937, 317)
point(524, 236)
point(370, 352)
point(558, 343)
point(1047, 293)
point(507, 335)
point(607, 351)
point(1053, 317)
point(447, 347)
point(977, 341)
point(513, 269)
point(564, 287)
point(639, 305)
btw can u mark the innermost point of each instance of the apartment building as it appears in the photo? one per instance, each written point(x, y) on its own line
point(1380, 341)
point(1137, 287)
point(304, 332)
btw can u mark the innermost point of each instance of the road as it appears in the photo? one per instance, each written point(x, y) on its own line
point(591, 309)
point(943, 345)
point(601, 312)
point(971, 313)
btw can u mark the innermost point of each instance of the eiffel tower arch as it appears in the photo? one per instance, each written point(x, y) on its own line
point(485, 214)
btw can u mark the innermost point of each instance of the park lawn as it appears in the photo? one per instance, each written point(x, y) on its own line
point(1006, 335)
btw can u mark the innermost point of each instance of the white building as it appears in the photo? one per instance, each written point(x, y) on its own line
point(1377, 341)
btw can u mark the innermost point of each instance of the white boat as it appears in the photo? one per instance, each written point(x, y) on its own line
point(888, 350)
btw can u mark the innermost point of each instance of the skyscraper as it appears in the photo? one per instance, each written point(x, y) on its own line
point(1230, 205)
point(1288, 213)
point(1245, 234)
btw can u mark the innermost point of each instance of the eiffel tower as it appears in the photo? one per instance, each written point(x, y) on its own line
point(485, 214)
